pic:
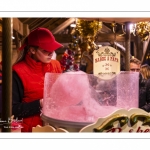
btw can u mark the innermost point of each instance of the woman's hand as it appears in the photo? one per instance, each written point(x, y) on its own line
point(41, 102)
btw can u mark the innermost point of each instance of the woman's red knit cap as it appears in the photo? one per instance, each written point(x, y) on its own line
point(43, 38)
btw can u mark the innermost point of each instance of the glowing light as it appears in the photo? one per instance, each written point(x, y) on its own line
point(73, 25)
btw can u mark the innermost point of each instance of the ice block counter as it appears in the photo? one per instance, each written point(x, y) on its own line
point(73, 100)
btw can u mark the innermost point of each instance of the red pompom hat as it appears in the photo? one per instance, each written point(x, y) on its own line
point(43, 38)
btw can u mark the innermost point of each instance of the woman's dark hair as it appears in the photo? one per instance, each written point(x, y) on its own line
point(23, 52)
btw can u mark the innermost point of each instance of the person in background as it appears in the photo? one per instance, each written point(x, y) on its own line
point(144, 88)
point(144, 85)
point(145, 71)
point(135, 64)
point(28, 76)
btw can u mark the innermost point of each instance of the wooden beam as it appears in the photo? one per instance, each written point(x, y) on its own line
point(139, 48)
point(63, 25)
point(18, 25)
point(17, 40)
point(63, 38)
point(109, 37)
point(127, 46)
point(0, 26)
point(13, 47)
point(105, 29)
point(66, 38)
point(24, 20)
point(34, 22)
point(40, 24)
point(56, 23)
point(145, 47)
point(26, 30)
point(48, 23)
point(13, 43)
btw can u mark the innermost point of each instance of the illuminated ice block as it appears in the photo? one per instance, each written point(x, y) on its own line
point(81, 97)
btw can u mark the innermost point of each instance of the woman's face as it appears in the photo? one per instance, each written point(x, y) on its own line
point(41, 55)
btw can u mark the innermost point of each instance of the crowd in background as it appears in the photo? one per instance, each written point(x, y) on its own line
point(144, 82)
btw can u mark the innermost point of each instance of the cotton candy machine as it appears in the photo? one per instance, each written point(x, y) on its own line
point(73, 100)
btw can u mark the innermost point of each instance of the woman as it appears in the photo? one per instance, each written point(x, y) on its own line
point(144, 88)
point(145, 71)
point(28, 76)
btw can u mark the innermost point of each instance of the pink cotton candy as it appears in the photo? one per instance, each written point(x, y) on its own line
point(70, 87)
point(79, 97)
point(72, 112)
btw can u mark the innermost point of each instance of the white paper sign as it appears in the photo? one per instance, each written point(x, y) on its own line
point(106, 62)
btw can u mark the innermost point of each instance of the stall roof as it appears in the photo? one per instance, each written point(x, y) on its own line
point(61, 29)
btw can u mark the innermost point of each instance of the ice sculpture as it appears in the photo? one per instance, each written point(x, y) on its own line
point(80, 97)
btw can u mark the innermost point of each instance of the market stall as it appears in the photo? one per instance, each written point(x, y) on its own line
point(75, 99)
point(90, 102)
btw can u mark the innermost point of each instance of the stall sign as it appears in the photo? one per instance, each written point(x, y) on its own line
point(131, 121)
point(106, 62)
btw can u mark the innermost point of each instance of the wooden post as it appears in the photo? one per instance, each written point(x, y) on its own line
point(145, 46)
point(138, 47)
point(6, 73)
point(127, 45)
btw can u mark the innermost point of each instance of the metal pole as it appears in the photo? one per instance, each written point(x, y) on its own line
point(6, 73)
point(127, 43)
